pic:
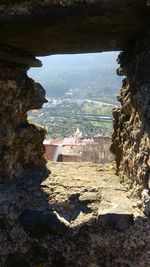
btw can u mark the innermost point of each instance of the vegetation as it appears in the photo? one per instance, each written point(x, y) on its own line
point(62, 119)
point(76, 87)
point(87, 76)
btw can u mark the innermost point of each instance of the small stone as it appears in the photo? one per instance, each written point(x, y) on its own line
point(88, 197)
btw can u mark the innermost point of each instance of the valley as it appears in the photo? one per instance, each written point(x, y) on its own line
point(61, 117)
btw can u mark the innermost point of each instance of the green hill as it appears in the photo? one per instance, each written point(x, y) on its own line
point(85, 76)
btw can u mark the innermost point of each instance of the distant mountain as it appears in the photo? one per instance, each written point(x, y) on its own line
point(85, 76)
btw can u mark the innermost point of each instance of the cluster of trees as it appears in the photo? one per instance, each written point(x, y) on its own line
point(96, 109)
point(63, 119)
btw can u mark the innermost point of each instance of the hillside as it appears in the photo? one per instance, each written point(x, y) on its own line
point(85, 76)
point(61, 117)
point(81, 90)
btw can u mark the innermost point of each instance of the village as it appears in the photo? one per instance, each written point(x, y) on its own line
point(77, 148)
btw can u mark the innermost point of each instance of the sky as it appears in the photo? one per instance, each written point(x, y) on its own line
point(54, 62)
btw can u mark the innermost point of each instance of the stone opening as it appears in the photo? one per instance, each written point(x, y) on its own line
point(81, 91)
point(31, 233)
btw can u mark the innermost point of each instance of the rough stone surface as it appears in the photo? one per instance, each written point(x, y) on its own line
point(119, 222)
point(21, 145)
point(89, 228)
point(71, 26)
point(76, 198)
point(41, 223)
point(115, 210)
point(131, 137)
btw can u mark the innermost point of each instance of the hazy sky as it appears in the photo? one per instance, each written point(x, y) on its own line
point(72, 61)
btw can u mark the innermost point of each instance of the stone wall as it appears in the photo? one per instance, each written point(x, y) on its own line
point(21, 143)
point(46, 27)
point(78, 217)
point(131, 136)
point(32, 233)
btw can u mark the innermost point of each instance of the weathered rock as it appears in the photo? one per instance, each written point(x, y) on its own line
point(70, 26)
point(41, 223)
point(131, 136)
point(31, 237)
point(115, 210)
point(115, 221)
point(20, 142)
point(34, 28)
